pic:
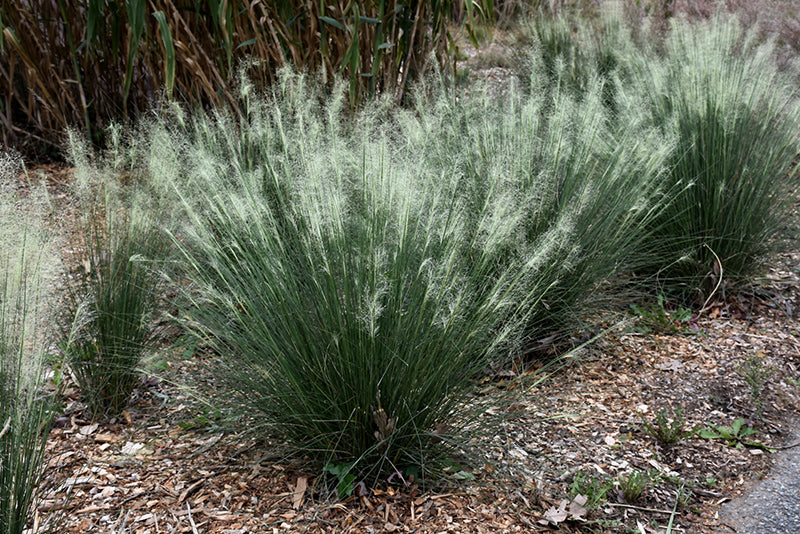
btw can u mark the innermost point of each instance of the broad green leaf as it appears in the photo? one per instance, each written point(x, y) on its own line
point(136, 12)
point(464, 475)
point(169, 48)
point(247, 43)
point(737, 426)
point(708, 433)
point(333, 22)
point(91, 20)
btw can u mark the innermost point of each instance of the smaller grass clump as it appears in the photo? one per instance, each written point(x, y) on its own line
point(633, 485)
point(734, 115)
point(665, 429)
point(26, 405)
point(756, 372)
point(113, 294)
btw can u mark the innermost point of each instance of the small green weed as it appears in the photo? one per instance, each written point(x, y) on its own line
point(594, 488)
point(457, 471)
point(632, 485)
point(756, 372)
point(735, 435)
point(656, 318)
point(205, 419)
point(344, 477)
point(667, 429)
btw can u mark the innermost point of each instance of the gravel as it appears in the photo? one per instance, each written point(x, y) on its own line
point(771, 505)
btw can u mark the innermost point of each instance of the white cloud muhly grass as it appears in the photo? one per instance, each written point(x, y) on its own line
point(343, 274)
point(734, 116)
point(344, 266)
point(28, 269)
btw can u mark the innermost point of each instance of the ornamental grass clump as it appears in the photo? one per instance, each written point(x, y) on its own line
point(349, 296)
point(735, 117)
point(114, 289)
point(352, 275)
point(559, 158)
point(26, 405)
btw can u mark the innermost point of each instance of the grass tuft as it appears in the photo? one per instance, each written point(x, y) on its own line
point(26, 406)
point(113, 295)
point(735, 117)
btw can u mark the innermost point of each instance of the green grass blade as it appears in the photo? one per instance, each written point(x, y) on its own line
point(169, 48)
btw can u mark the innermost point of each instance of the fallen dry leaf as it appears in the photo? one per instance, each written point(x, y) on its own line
point(130, 448)
point(556, 515)
point(670, 365)
point(89, 429)
point(577, 508)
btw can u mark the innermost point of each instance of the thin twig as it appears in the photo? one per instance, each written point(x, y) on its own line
point(618, 505)
point(191, 521)
point(124, 522)
point(613, 420)
point(768, 338)
point(706, 493)
point(788, 446)
point(719, 281)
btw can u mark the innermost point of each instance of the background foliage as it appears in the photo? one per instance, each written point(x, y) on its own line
point(82, 63)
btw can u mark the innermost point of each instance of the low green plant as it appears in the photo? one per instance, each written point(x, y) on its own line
point(633, 484)
point(345, 478)
point(593, 487)
point(756, 372)
point(665, 428)
point(655, 318)
point(207, 417)
point(27, 406)
point(457, 471)
point(735, 435)
point(112, 298)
